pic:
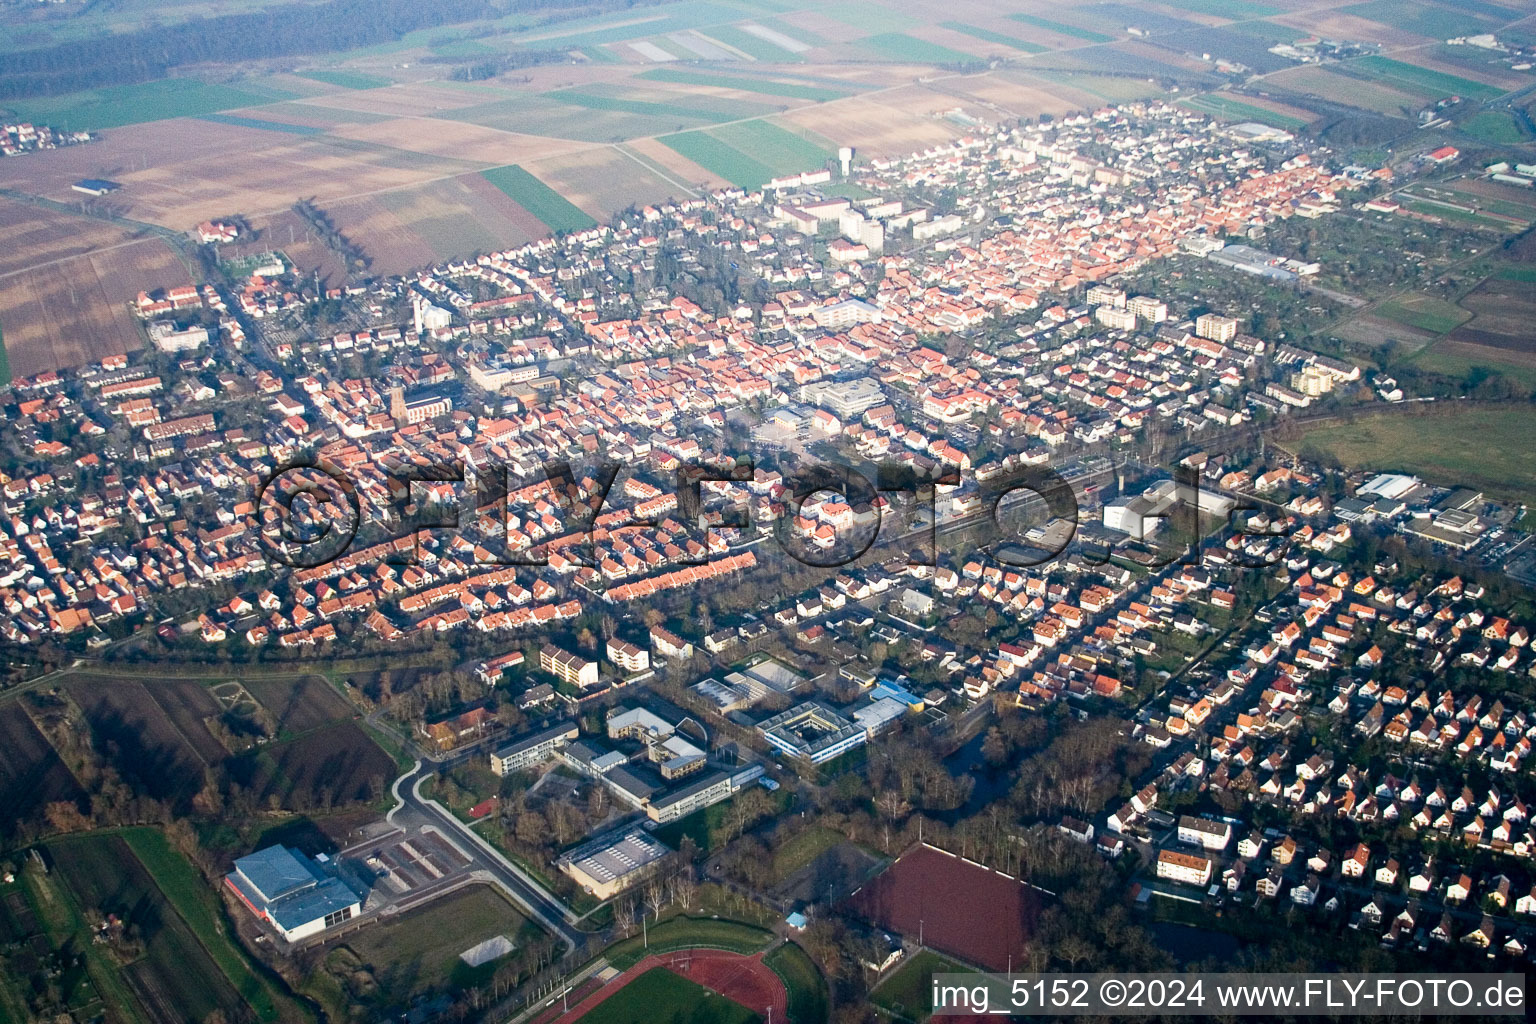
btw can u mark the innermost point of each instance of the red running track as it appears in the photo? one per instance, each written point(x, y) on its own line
point(741, 979)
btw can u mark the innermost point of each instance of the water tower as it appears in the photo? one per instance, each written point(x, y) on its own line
point(845, 157)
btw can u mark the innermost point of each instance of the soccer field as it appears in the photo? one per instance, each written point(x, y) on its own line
point(660, 995)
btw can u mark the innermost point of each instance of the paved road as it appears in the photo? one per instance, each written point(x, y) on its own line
point(413, 809)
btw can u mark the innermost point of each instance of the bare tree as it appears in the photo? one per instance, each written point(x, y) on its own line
point(655, 895)
point(624, 915)
point(684, 886)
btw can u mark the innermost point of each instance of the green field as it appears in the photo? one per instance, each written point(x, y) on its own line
point(1062, 29)
point(658, 995)
point(784, 151)
point(118, 105)
point(1432, 20)
point(864, 15)
point(706, 109)
point(751, 45)
point(686, 932)
point(907, 991)
point(800, 850)
point(105, 876)
point(758, 85)
point(1487, 449)
point(1114, 88)
point(1469, 217)
point(806, 988)
point(557, 212)
point(1237, 10)
point(724, 150)
point(718, 158)
point(1425, 81)
point(347, 79)
point(1226, 107)
point(265, 125)
point(1425, 312)
point(899, 46)
point(1526, 274)
point(190, 895)
point(1496, 126)
point(418, 952)
point(993, 37)
point(1459, 361)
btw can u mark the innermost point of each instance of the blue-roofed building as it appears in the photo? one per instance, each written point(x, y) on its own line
point(292, 892)
point(886, 688)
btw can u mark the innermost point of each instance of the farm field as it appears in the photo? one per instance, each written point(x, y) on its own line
point(1432, 20)
point(1496, 126)
point(134, 733)
point(333, 765)
point(759, 42)
point(32, 235)
point(887, 125)
point(669, 164)
point(1062, 29)
point(1487, 449)
point(765, 86)
point(175, 980)
point(547, 116)
point(418, 952)
point(1340, 88)
point(1237, 110)
point(1233, 10)
point(1503, 310)
point(966, 910)
point(176, 173)
point(900, 46)
point(31, 774)
point(604, 181)
point(1108, 88)
point(1429, 82)
point(119, 105)
point(991, 36)
point(1026, 95)
point(1424, 312)
point(719, 158)
point(659, 995)
point(347, 79)
point(299, 706)
point(74, 310)
point(671, 105)
point(189, 894)
point(1460, 359)
point(553, 209)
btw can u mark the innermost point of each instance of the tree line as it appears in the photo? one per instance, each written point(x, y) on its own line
point(289, 30)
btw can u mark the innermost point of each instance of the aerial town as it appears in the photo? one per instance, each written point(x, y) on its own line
point(951, 562)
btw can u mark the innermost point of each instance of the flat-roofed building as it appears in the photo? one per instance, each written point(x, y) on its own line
point(1203, 832)
point(1216, 327)
point(609, 864)
point(812, 731)
point(533, 749)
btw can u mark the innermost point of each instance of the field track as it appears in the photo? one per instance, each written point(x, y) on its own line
point(742, 979)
